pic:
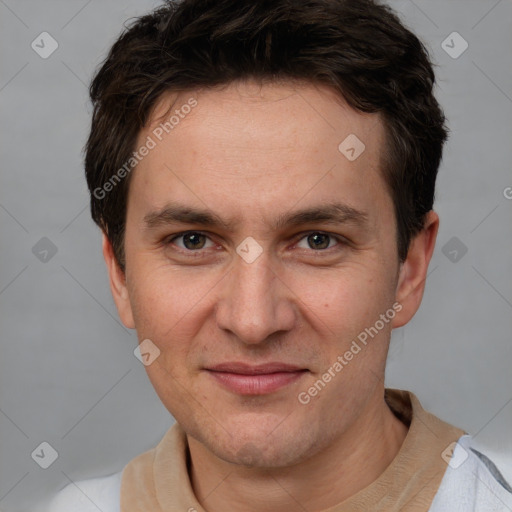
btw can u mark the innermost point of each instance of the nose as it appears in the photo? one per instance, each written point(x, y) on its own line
point(254, 303)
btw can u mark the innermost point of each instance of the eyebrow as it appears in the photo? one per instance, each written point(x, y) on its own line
point(334, 213)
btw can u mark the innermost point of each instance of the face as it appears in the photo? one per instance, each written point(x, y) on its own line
point(257, 251)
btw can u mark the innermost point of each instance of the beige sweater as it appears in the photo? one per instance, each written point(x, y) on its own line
point(158, 480)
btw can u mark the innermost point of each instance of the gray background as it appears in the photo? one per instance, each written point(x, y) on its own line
point(68, 373)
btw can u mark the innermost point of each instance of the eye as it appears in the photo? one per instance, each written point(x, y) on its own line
point(318, 241)
point(191, 241)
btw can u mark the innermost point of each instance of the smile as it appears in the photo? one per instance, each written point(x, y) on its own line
point(255, 380)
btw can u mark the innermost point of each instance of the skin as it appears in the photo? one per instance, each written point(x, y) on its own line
point(252, 154)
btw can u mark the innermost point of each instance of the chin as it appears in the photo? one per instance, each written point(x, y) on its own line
point(261, 446)
point(258, 453)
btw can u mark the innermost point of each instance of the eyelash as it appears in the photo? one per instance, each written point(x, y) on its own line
point(341, 241)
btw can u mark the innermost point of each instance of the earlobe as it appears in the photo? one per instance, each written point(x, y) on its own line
point(413, 271)
point(118, 286)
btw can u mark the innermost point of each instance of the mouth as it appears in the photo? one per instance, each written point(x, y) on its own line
point(245, 379)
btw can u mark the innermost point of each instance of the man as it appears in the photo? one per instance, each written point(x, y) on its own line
point(264, 175)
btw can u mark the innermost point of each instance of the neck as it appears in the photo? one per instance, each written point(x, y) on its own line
point(352, 462)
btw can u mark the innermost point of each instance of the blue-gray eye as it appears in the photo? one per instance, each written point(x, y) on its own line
point(317, 241)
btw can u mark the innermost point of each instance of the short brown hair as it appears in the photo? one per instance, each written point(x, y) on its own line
point(358, 47)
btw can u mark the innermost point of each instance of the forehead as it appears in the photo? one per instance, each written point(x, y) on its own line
point(270, 114)
point(279, 141)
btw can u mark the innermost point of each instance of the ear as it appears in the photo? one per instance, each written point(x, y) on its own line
point(413, 271)
point(118, 284)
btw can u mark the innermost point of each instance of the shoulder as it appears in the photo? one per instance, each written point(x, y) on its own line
point(472, 482)
point(89, 495)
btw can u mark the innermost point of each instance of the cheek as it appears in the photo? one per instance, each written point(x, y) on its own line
point(167, 295)
point(169, 308)
point(342, 301)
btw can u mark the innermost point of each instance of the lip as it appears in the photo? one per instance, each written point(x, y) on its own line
point(254, 369)
point(245, 379)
